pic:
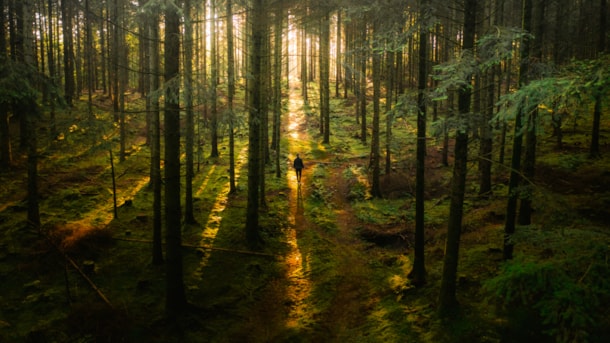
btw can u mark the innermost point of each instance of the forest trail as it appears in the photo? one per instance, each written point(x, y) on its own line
point(329, 289)
point(297, 261)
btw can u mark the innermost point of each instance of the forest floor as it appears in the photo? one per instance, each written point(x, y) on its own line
point(334, 264)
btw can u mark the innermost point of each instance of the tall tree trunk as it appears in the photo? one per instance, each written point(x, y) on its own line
point(144, 77)
point(29, 110)
point(78, 54)
point(603, 26)
point(504, 127)
point(418, 273)
point(348, 59)
point(447, 298)
point(515, 177)
point(485, 147)
point(52, 76)
point(155, 150)
point(89, 58)
point(303, 53)
point(204, 77)
point(324, 78)
point(20, 37)
point(375, 148)
point(597, 108)
point(66, 19)
point(175, 294)
point(230, 94)
point(256, 19)
point(103, 26)
point(213, 82)
point(115, 61)
point(6, 156)
point(389, 91)
point(122, 79)
point(363, 83)
point(338, 54)
point(264, 114)
point(529, 161)
point(189, 215)
point(277, 88)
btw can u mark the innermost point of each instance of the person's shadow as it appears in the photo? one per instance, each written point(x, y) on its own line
point(299, 200)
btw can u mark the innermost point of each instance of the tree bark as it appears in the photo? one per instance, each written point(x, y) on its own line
point(338, 55)
point(175, 294)
point(277, 89)
point(447, 298)
point(6, 156)
point(324, 78)
point(362, 83)
point(189, 215)
point(303, 53)
point(529, 160)
point(375, 147)
point(486, 145)
point(52, 76)
point(30, 113)
point(389, 91)
point(254, 120)
point(68, 44)
point(515, 177)
point(155, 135)
point(597, 107)
point(230, 95)
point(418, 273)
point(213, 83)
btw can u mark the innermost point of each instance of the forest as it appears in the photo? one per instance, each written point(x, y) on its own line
point(456, 181)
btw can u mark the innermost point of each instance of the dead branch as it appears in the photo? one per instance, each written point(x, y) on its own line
point(246, 252)
point(80, 271)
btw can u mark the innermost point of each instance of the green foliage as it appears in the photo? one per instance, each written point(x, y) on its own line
point(563, 93)
point(571, 162)
point(492, 49)
point(565, 295)
point(381, 212)
point(14, 87)
point(454, 75)
point(358, 190)
point(545, 96)
point(495, 47)
point(591, 76)
point(319, 191)
point(406, 106)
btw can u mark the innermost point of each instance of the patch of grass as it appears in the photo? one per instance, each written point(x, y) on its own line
point(381, 211)
point(357, 187)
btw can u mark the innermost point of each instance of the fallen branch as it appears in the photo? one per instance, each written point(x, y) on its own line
point(80, 271)
point(246, 252)
point(95, 288)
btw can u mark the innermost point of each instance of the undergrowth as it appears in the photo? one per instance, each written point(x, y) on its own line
point(564, 292)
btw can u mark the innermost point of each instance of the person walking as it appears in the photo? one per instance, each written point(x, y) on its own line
point(298, 167)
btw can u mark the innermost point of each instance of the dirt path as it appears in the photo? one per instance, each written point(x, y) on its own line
point(297, 261)
point(328, 289)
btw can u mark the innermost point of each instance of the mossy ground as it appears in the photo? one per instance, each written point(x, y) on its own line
point(356, 251)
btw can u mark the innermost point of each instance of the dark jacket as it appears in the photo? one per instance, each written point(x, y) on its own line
point(298, 163)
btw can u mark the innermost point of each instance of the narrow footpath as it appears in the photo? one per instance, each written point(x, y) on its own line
point(328, 284)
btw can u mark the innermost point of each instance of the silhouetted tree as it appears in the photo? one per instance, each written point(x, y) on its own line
point(418, 273)
point(447, 298)
point(175, 295)
point(257, 21)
